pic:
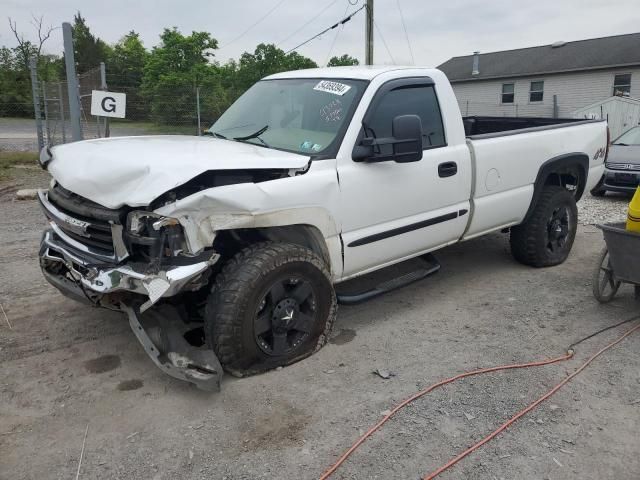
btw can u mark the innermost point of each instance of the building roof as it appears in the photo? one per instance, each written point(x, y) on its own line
point(592, 54)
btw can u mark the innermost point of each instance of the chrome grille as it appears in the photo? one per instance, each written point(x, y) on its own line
point(85, 225)
point(623, 166)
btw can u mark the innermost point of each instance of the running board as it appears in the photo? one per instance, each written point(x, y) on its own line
point(376, 283)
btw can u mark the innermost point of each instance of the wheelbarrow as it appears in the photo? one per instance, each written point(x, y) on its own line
point(618, 263)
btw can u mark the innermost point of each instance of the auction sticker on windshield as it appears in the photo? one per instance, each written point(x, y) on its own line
point(336, 88)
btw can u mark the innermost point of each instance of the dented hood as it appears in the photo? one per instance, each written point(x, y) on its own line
point(135, 170)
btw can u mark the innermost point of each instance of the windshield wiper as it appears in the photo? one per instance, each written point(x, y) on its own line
point(214, 134)
point(621, 144)
point(255, 135)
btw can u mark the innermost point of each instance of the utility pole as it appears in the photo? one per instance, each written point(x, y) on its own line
point(368, 46)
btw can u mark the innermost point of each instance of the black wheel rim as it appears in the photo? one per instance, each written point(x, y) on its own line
point(286, 316)
point(558, 228)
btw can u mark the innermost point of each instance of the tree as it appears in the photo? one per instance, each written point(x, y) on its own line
point(27, 49)
point(15, 80)
point(125, 70)
point(88, 49)
point(343, 61)
point(268, 59)
point(173, 71)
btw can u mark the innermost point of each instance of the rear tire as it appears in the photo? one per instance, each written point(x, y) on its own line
point(272, 304)
point(546, 238)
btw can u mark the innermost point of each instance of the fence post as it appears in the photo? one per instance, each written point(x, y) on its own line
point(198, 108)
point(36, 101)
point(103, 85)
point(72, 82)
point(47, 124)
point(61, 108)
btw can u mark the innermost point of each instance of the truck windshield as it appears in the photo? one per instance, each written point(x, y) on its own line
point(300, 115)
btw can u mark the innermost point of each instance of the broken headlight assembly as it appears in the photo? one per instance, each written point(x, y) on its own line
point(153, 237)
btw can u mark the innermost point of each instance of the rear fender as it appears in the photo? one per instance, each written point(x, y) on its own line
point(556, 170)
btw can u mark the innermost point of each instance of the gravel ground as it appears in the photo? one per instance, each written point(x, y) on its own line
point(66, 366)
point(610, 208)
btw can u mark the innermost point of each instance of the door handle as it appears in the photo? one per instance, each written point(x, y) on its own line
point(447, 169)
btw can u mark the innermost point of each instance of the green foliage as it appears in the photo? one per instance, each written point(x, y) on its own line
point(89, 50)
point(343, 61)
point(15, 85)
point(11, 159)
point(125, 66)
point(160, 84)
point(173, 71)
point(268, 59)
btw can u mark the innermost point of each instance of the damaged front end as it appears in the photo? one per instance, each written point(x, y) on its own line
point(130, 260)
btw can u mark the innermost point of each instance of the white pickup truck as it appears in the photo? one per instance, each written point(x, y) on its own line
point(227, 250)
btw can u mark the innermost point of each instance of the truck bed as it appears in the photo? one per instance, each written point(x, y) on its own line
point(476, 125)
point(507, 164)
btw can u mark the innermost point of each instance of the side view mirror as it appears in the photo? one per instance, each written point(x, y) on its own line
point(406, 142)
point(407, 130)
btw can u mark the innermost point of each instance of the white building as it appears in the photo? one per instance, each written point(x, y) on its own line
point(547, 81)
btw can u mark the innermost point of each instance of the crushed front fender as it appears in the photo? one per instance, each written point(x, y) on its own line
point(162, 335)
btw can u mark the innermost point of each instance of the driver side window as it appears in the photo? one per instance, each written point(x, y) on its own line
point(408, 100)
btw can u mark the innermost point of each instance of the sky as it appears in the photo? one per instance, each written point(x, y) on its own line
point(436, 30)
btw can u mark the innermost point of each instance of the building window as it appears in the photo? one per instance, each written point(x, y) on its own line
point(536, 92)
point(508, 90)
point(622, 85)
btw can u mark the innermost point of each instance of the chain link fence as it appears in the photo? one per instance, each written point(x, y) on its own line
point(178, 110)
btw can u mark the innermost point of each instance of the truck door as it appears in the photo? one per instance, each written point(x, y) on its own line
point(391, 211)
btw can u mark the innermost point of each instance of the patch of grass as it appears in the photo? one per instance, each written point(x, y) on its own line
point(11, 159)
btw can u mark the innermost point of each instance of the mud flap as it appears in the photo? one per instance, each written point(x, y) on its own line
point(161, 333)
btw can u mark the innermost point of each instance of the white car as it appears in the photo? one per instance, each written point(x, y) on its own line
point(231, 247)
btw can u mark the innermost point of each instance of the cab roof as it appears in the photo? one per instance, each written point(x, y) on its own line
point(363, 72)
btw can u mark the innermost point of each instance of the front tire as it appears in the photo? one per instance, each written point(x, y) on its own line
point(546, 238)
point(272, 304)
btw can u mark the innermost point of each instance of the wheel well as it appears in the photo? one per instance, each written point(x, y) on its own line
point(568, 171)
point(230, 242)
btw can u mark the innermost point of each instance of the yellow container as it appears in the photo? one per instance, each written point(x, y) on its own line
point(633, 217)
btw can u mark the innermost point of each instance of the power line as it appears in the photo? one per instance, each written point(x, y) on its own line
point(335, 39)
point(311, 20)
point(384, 42)
point(337, 24)
point(253, 25)
point(406, 35)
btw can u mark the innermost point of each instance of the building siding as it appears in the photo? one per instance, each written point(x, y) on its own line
point(573, 91)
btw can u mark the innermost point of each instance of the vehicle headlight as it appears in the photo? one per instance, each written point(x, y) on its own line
point(154, 235)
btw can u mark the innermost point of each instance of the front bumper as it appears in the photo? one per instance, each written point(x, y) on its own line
point(620, 180)
point(160, 331)
point(91, 280)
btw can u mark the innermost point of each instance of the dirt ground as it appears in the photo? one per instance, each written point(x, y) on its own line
point(66, 366)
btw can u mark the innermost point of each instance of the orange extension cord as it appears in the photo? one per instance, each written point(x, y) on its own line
point(496, 432)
